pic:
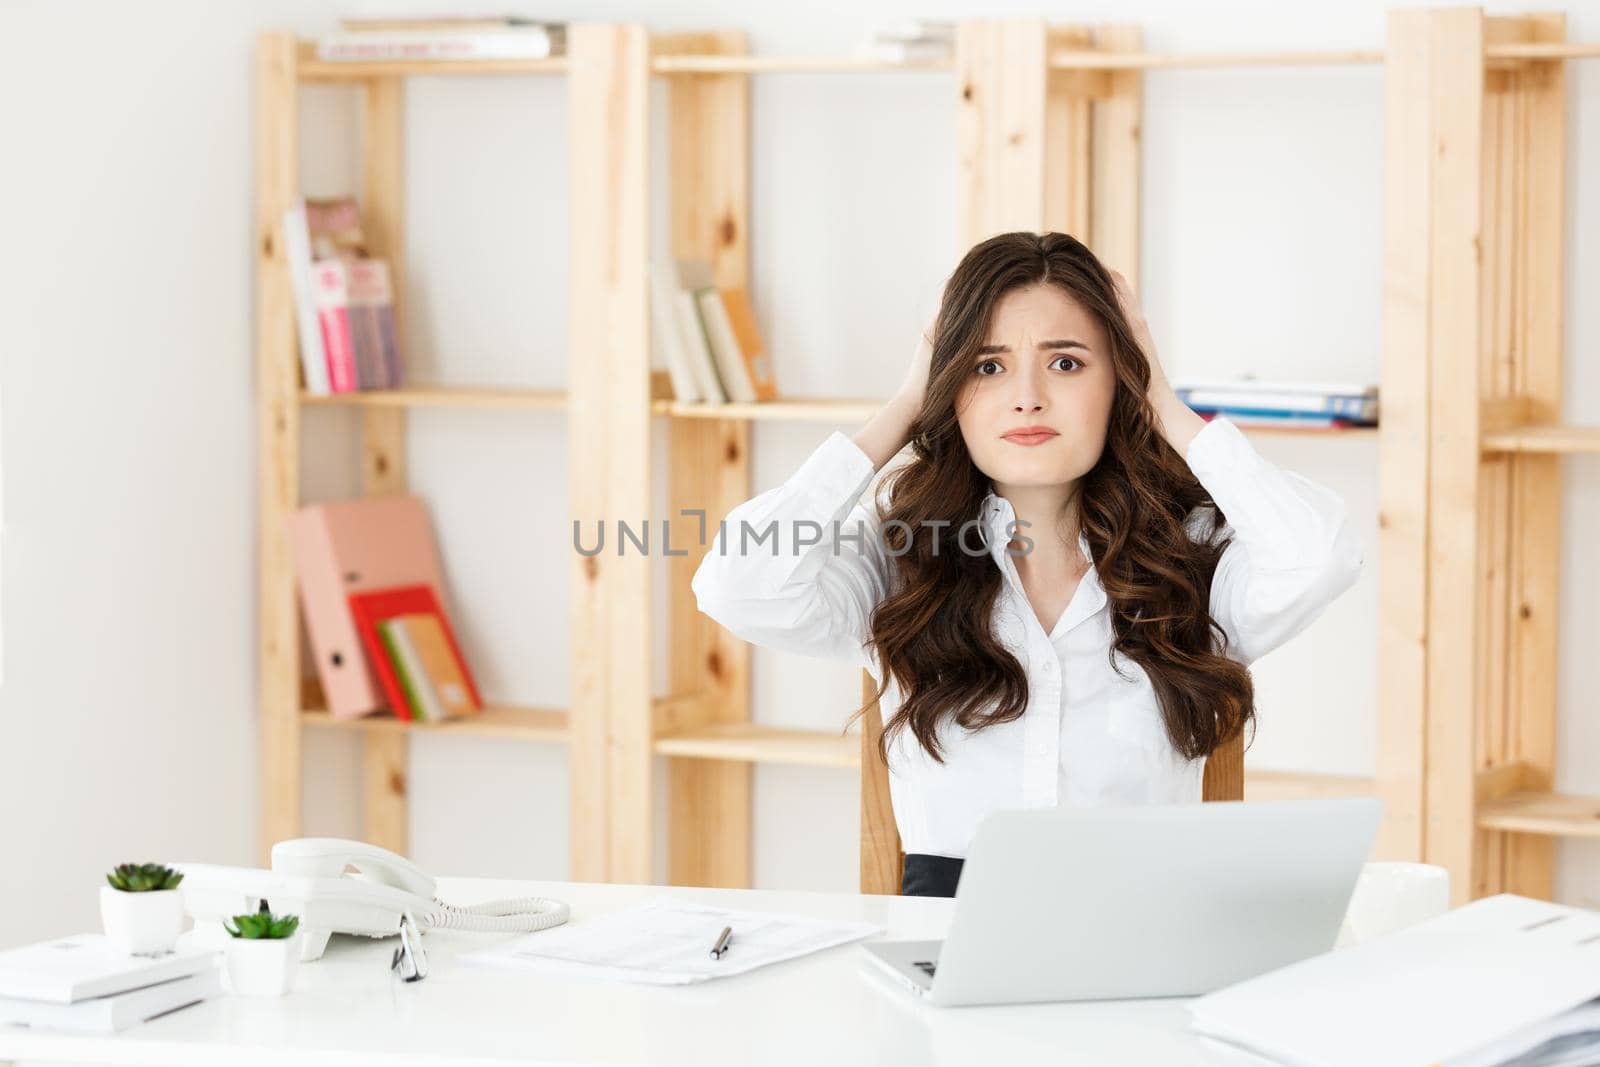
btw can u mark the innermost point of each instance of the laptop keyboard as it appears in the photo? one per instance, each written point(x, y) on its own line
point(926, 966)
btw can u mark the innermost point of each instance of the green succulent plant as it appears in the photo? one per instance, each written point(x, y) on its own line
point(263, 925)
point(143, 877)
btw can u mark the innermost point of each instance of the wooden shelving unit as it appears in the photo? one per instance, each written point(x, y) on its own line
point(1047, 120)
point(1474, 281)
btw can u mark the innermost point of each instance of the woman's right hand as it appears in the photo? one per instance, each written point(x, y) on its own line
point(915, 386)
point(887, 432)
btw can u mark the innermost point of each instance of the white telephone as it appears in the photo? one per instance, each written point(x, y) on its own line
point(308, 878)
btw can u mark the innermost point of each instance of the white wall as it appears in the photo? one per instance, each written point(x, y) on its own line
point(127, 717)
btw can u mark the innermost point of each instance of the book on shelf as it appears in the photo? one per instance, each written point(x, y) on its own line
point(693, 277)
point(708, 336)
point(914, 29)
point(318, 229)
point(355, 309)
point(905, 51)
point(84, 983)
point(375, 606)
point(443, 41)
point(381, 23)
point(736, 346)
point(1277, 420)
point(433, 681)
point(351, 546)
point(666, 326)
point(330, 285)
point(1342, 403)
point(909, 40)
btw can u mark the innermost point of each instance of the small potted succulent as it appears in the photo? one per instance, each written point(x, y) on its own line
point(141, 908)
point(263, 951)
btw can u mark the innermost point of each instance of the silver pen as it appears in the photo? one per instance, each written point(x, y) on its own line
point(722, 943)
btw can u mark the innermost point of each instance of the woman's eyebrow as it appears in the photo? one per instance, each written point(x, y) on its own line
point(988, 350)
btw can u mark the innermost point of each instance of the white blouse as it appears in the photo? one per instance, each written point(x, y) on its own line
point(1087, 736)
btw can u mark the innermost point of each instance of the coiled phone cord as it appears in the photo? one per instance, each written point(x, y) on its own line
point(518, 915)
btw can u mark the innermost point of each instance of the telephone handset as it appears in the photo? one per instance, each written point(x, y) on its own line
point(350, 887)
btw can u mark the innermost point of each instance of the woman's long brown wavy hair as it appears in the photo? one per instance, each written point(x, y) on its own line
point(933, 631)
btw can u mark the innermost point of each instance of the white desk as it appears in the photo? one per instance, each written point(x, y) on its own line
point(830, 1008)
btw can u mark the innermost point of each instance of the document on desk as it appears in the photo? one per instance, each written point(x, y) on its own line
point(1502, 980)
point(668, 942)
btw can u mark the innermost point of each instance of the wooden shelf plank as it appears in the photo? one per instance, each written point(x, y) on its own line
point(1554, 814)
point(797, 410)
point(716, 64)
point(1290, 785)
point(1077, 59)
point(312, 69)
point(749, 742)
point(443, 396)
point(525, 724)
point(1544, 439)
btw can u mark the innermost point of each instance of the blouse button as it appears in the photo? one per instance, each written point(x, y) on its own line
point(1049, 666)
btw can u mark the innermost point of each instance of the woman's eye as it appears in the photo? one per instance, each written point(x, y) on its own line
point(986, 363)
point(1073, 360)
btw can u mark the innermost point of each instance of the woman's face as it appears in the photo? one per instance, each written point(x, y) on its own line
point(1046, 363)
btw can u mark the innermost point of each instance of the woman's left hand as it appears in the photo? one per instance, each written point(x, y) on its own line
point(1160, 388)
point(1177, 423)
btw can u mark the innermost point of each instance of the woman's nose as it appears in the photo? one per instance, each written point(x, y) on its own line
point(1028, 390)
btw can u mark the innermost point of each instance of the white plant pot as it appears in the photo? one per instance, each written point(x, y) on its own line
point(145, 923)
point(263, 967)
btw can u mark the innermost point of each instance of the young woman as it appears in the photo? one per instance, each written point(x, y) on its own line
point(1060, 592)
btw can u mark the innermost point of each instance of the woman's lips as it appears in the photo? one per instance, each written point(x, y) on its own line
point(1031, 438)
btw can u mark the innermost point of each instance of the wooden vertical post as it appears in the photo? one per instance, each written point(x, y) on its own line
point(1069, 115)
point(1001, 86)
point(383, 430)
point(709, 146)
point(1403, 443)
point(1430, 475)
point(278, 441)
point(1118, 158)
point(1524, 256)
point(609, 433)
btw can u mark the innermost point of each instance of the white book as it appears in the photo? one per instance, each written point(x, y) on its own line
point(915, 29)
point(118, 1011)
point(518, 42)
point(669, 333)
point(1257, 385)
point(905, 51)
point(80, 966)
point(694, 275)
point(297, 251)
point(1446, 991)
point(725, 347)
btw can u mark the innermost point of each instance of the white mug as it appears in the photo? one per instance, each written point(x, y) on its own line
point(1392, 895)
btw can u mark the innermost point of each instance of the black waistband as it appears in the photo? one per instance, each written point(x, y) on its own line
point(930, 876)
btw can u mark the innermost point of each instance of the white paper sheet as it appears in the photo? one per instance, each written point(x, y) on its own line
point(1443, 991)
point(667, 942)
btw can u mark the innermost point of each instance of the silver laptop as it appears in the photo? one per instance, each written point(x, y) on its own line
point(1140, 900)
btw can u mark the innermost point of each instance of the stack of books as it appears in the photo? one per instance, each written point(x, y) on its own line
point(910, 41)
point(1287, 405)
point(708, 337)
point(344, 300)
point(412, 648)
point(444, 37)
point(85, 984)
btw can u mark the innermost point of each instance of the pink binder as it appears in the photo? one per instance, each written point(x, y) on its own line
point(353, 546)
